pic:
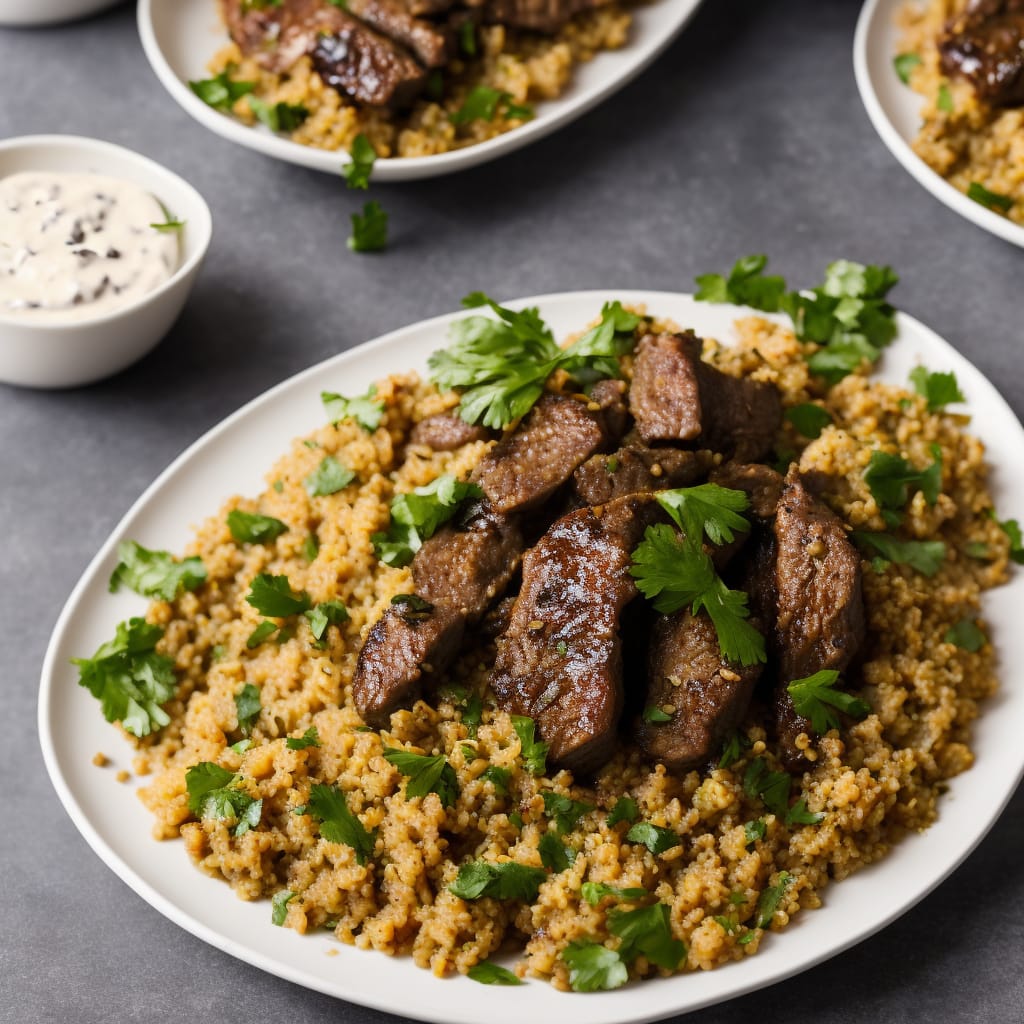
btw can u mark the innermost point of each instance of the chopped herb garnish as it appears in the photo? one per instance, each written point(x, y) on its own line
point(554, 854)
point(253, 528)
point(594, 892)
point(367, 410)
point(647, 932)
point(892, 480)
point(654, 837)
point(412, 607)
point(924, 556)
point(726, 923)
point(966, 635)
point(770, 900)
point(990, 200)
point(357, 171)
point(170, 226)
point(492, 974)
point(129, 678)
point(904, 63)
point(472, 713)
point(273, 595)
point(771, 787)
point(746, 285)
point(533, 752)
point(155, 573)
point(310, 547)
point(944, 99)
point(798, 814)
point(310, 738)
point(564, 811)
point(501, 365)
point(328, 478)
point(625, 809)
point(653, 714)
point(816, 696)
point(264, 631)
point(707, 509)
point(754, 830)
point(369, 229)
point(506, 881)
point(279, 906)
point(278, 117)
point(498, 777)
point(1012, 530)
point(326, 613)
point(278, 486)
point(337, 823)
point(939, 389)
point(214, 793)
point(220, 92)
point(978, 550)
point(425, 774)
point(593, 967)
point(241, 746)
point(809, 419)
point(482, 103)
point(734, 745)
point(418, 515)
point(467, 38)
point(247, 707)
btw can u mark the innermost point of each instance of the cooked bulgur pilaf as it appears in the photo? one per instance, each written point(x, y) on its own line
point(963, 138)
point(526, 66)
point(724, 886)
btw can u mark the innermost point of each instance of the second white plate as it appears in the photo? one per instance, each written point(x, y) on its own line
point(894, 110)
point(180, 36)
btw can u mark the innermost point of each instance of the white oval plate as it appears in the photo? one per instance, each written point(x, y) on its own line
point(233, 458)
point(180, 36)
point(894, 109)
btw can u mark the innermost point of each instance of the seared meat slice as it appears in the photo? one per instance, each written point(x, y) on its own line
point(762, 485)
point(819, 604)
point(394, 20)
point(985, 45)
point(560, 661)
point(459, 572)
point(539, 15)
point(446, 432)
point(635, 470)
point(403, 646)
point(707, 694)
point(677, 397)
point(348, 54)
point(558, 434)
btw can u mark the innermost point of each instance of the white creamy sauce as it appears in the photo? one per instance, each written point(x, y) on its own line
point(77, 246)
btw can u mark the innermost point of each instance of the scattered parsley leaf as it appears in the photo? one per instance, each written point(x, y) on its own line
point(533, 752)
point(241, 746)
point(326, 613)
point(707, 509)
point(412, 607)
point(253, 528)
point(492, 974)
point(904, 63)
point(944, 99)
point(273, 595)
point(154, 573)
point(498, 777)
point(506, 881)
point(564, 811)
point(170, 226)
point(220, 92)
point(472, 714)
point(770, 900)
point(278, 486)
point(653, 714)
point(816, 696)
point(990, 200)
point(247, 707)
point(482, 103)
point(593, 967)
point(654, 837)
point(1012, 530)
point(129, 678)
point(328, 478)
point(467, 38)
point(554, 854)
point(647, 932)
point(310, 738)
point(625, 809)
point(367, 410)
point(809, 419)
point(425, 774)
point(279, 906)
point(924, 556)
point(337, 823)
point(734, 745)
point(892, 480)
point(727, 924)
point(214, 794)
point(310, 547)
point(798, 814)
point(978, 550)
point(939, 389)
point(278, 117)
point(754, 830)
point(357, 171)
point(594, 892)
point(966, 635)
point(263, 631)
point(369, 229)
point(746, 285)
point(771, 787)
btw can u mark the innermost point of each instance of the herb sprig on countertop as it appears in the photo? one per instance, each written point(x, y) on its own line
point(500, 365)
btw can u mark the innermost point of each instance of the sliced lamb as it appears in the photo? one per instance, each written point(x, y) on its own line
point(985, 45)
point(445, 432)
point(634, 470)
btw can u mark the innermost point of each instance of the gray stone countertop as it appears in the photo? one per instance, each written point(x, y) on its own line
point(746, 136)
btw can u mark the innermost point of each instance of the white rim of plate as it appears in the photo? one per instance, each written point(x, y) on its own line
point(875, 31)
point(394, 169)
point(635, 1003)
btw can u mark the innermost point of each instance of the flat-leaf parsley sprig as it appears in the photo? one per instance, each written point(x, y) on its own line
point(501, 365)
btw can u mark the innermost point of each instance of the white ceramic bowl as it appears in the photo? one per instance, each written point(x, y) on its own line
point(48, 12)
point(61, 355)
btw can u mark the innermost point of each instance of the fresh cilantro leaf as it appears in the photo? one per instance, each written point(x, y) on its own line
point(492, 974)
point(770, 900)
point(746, 285)
point(940, 389)
point(155, 573)
point(171, 226)
point(533, 752)
point(253, 528)
point(426, 774)
point(816, 696)
point(418, 515)
point(278, 117)
point(279, 906)
point(278, 486)
point(310, 547)
point(367, 410)
point(412, 607)
point(892, 480)
point(594, 892)
point(754, 830)
point(798, 814)
point(357, 171)
point(554, 854)
point(737, 898)
point(809, 419)
point(924, 556)
point(654, 837)
point(771, 787)
point(944, 99)
point(734, 745)
point(482, 103)
point(214, 793)
point(129, 678)
point(653, 714)
point(467, 38)
point(273, 595)
point(707, 509)
point(1012, 530)
point(472, 714)
point(727, 923)
point(498, 777)
point(220, 92)
point(564, 811)
point(506, 881)
point(247, 707)
point(904, 63)
point(516, 819)
point(978, 550)
point(647, 932)
point(241, 746)
point(263, 631)
point(337, 823)
point(593, 967)
point(369, 229)
point(310, 738)
point(625, 809)
point(326, 613)
point(990, 200)
point(328, 478)
point(966, 635)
